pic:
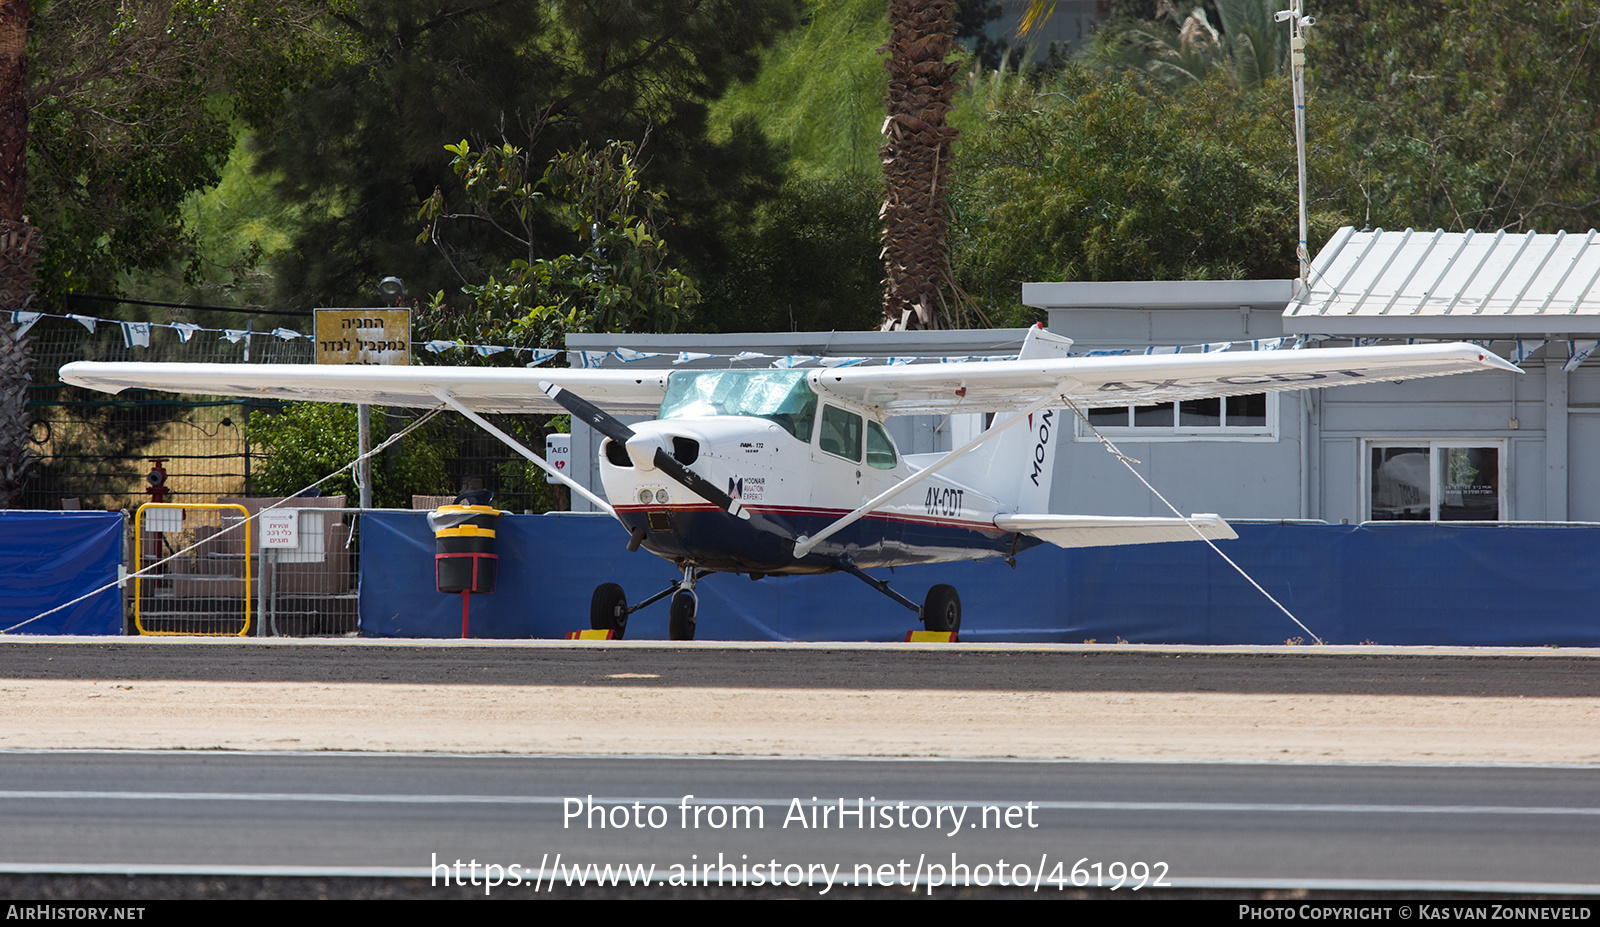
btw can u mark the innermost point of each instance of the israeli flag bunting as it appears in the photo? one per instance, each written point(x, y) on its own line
point(1577, 353)
point(135, 334)
point(540, 355)
point(87, 321)
point(1522, 350)
point(485, 350)
point(25, 321)
point(896, 361)
point(685, 357)
point(794, 360)
point(841, 361)
point(628, 356)
point(185, 330)
point(233, 334)
point(287, 334)
point(438, 346)
point(588, 360)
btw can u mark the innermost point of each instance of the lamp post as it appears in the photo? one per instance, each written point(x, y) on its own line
point(1298, 23)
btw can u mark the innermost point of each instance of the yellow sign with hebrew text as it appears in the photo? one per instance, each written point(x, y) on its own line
point(364, 336)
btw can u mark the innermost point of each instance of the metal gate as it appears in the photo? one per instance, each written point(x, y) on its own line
point(205, 587)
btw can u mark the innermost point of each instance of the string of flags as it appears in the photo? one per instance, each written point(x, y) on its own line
point(137, 334)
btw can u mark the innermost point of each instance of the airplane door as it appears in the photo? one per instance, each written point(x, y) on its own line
point(843, 478)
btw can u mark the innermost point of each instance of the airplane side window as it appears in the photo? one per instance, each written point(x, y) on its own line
point(841, 433)
point(880, 450)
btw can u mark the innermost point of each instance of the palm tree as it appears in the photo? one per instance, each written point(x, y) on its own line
point(916, 162)
point(18, 252)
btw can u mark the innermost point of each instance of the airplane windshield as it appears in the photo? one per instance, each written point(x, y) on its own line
point(780, 396)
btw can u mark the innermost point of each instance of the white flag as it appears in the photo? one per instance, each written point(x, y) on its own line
point(1577, 353)
point(135, 334)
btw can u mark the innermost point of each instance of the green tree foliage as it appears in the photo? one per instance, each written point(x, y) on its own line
point(132, 109)
point(304, 442)
point(1087, 178)
point(1238, 37)
point(363, 148)
point(1472, 115)
point(807, 261)
point(619, 281)
point(820, 92)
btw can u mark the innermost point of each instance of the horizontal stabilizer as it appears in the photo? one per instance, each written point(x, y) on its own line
point(1103, 531)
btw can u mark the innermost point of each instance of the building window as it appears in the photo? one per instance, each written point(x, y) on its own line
point(1252, 416)
point(1446, 480)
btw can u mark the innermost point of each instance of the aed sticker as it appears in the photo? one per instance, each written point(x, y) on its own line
point(558, 454)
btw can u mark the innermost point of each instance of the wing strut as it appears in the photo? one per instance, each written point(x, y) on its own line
point(449, 400)
point(805, 545)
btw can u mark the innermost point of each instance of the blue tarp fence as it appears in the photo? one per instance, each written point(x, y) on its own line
point(49, 558)
point(1440, 584)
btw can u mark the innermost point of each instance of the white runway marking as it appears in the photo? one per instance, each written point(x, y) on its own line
point(1167, 806)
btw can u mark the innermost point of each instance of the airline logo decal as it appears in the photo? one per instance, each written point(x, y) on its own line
point(1046, 422)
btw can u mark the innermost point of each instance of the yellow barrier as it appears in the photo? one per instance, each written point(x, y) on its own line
point(196, 592)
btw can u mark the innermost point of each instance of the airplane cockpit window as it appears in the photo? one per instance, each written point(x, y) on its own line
point(779, 396)
point(840, 433)
point(880, 450)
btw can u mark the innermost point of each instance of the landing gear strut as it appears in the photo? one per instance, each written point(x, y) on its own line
point(941, 611)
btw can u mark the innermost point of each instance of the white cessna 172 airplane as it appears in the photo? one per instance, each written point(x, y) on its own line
point(786, 471)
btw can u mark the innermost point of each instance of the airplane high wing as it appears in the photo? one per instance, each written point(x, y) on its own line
point(484, 389)
point(790, 471)
point(994, 386)
point(1096, 382)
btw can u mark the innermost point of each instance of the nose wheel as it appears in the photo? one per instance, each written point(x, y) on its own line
point(680, 617)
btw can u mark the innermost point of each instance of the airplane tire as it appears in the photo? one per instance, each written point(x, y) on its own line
point(608, 609)
point(941, 610)
point(680, 617)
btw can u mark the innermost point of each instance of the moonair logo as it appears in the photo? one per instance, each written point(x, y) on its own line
point(1046, 423)
point(747, 488)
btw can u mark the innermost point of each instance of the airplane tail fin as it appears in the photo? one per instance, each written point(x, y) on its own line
point(1016, 466)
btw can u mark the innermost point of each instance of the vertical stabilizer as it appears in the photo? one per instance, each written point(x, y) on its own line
point(1016, 467)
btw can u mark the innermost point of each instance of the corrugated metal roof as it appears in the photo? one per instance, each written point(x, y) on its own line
point(1451, 283)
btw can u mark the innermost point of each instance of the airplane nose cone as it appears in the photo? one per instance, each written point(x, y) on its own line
point(642, 450)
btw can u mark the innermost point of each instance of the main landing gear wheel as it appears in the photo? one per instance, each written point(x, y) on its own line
point(941, 611)
point(680, 618)
point(608, 609)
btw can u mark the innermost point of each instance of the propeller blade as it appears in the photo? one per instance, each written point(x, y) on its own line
point(605, 423)
point(698, 485)
point(588, 413)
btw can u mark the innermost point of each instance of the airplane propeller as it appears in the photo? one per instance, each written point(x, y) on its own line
point(608, 425)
